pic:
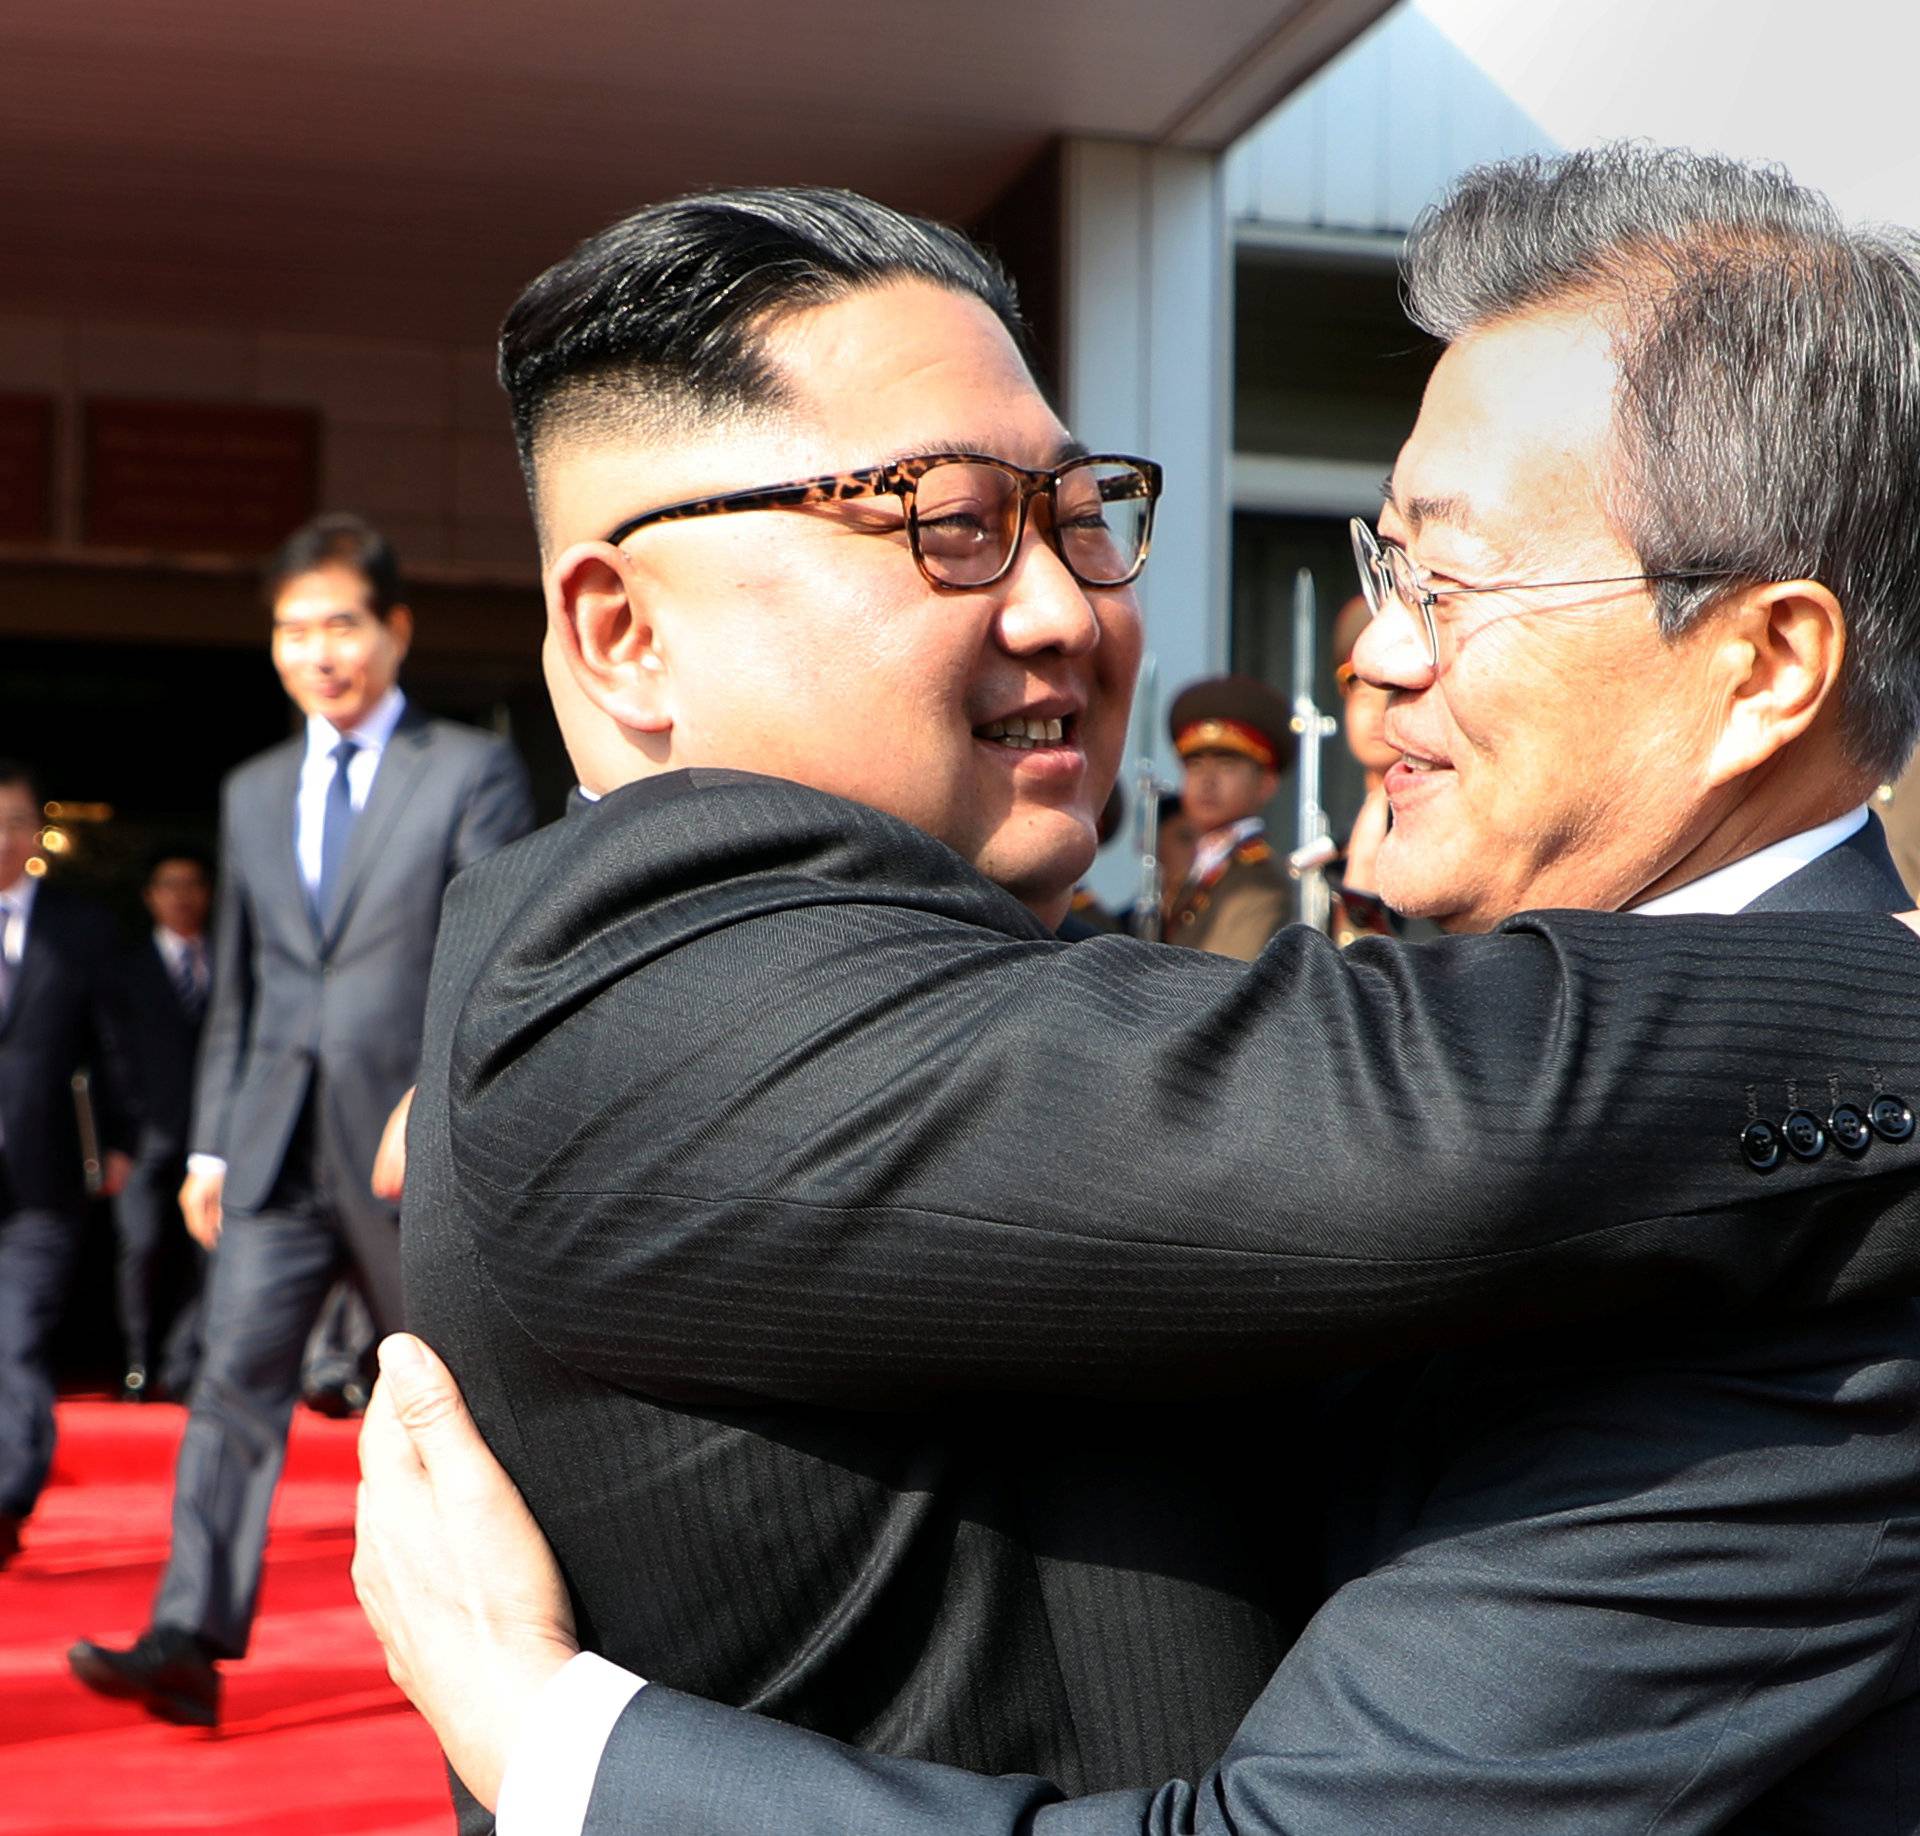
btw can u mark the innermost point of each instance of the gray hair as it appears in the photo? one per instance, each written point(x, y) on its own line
point(1768, 419)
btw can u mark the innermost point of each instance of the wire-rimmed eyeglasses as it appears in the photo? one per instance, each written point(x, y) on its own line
point(1389, 573)
point(967, 512)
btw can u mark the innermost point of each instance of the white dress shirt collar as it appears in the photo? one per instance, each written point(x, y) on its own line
point(16, 912)
point(1734, 887)
point(174, 948)
point(372, 733)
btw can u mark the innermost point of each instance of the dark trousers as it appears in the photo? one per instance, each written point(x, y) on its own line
point(159, 1270)
point(36, 1258)
point(270, 1273)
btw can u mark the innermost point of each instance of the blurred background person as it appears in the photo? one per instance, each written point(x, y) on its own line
point(57, 1017)
point(1233, 737)
point(336, 846)
point(164, 982)
point(1358, 910)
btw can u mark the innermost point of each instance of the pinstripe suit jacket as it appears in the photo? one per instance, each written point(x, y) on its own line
point(769, 1166)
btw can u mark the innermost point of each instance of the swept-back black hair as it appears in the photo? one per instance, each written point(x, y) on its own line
point(337, 540)
point(656, 324)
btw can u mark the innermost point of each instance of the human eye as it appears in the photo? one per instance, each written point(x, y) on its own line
point(960, 508)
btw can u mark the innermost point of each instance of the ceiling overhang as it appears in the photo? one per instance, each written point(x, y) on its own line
point(356, 167)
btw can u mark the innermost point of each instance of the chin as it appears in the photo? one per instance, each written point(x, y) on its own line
point(1425, 889)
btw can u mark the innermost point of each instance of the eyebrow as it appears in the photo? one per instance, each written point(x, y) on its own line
point(1067, 449)
point(1415, 511)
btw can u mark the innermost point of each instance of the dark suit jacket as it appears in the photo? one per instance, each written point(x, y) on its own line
point(767, 1162)
point(62, 1016)
point(162, 1041)
point(1622, 1581)
point(342, 1001)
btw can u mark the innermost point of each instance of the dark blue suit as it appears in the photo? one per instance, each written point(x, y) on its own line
point(312, 1037)
point(156, 1254)
point(60, 1017)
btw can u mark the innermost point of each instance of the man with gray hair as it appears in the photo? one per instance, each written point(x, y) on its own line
point(1644, 594)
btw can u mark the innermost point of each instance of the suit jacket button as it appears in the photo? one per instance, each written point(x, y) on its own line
point(1891, 1117)
point(1760, 1143)
point(1849, 1129)
point(1806, 1139)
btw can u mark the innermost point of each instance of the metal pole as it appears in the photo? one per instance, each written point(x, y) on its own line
point(1307, 862)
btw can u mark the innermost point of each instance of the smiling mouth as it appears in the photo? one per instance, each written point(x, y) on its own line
point(1020, 734)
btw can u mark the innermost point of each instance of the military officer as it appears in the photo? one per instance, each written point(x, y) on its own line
point(1233, 737)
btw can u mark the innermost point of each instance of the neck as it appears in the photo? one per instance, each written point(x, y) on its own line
point(1766, 806)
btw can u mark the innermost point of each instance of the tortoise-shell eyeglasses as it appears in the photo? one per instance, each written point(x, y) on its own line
point(967, 512)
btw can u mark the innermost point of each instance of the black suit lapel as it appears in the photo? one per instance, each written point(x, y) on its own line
point(1857, 876)
point(401, 762)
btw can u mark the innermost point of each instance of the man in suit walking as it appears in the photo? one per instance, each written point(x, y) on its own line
point(164, 984)
point(336, 847)
point(769, 1159)
point(56, 1018)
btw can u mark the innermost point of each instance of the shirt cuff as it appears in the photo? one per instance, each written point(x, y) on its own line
point(205, 1163)
point(556, 1754)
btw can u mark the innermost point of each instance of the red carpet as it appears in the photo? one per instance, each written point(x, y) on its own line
point(315, 1741)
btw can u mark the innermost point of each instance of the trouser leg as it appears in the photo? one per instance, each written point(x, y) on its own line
point(180, 1356)
point(370, 1228)
point(268, 1277)
point(36, 1258)
point(142, 1211)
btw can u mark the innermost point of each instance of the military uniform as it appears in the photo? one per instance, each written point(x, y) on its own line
point(1236, 907)
point(1237, 896)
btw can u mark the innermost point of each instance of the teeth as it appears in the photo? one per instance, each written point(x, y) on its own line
point(1023, 734)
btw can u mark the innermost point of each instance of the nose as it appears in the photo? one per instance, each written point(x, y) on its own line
point(1391, 651)
point(1042, 606)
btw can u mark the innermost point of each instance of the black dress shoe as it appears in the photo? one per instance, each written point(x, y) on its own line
point(9, 1536)
point(339, 1402)
point(167, 1671)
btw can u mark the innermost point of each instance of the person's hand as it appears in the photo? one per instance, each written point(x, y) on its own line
point(452, 1571)
point(116, 1168)
point(1361, 871)
point(390, 1160)
point(200, 1206)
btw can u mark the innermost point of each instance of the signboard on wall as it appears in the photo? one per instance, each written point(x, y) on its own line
point(26, 468)
point(206, 477)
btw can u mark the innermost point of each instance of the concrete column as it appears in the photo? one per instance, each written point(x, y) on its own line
point(1146, 367)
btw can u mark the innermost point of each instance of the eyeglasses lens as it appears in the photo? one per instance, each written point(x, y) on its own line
point(966, 516)
point(1103, 513)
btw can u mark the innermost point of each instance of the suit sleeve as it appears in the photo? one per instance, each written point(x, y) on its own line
point(223, 1043)
point(842, 1159)
point(498, 810)
point(110, 1049)
point(1637, 1601)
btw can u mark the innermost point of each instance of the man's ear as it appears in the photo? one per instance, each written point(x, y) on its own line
point(1778, 651)
point(400, 628)
point(606, 633)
